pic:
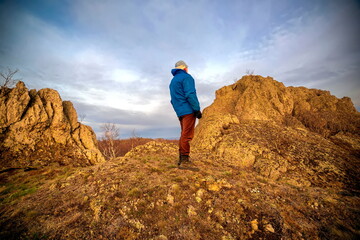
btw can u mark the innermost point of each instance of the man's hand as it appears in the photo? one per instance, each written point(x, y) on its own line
point(198, 114)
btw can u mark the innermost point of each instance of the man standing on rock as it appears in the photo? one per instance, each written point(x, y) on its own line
point(186, 106)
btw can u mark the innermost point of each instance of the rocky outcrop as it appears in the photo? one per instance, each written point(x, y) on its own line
point(153, 148)
point(304, 136)
point(38, 128)
point(259, 98)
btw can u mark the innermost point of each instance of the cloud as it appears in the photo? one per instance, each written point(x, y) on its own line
point(98, 81)
point(113, 59)
point(314, 50)
point(127, 121)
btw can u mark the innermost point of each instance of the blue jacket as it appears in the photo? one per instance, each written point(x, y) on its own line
point(183, 93)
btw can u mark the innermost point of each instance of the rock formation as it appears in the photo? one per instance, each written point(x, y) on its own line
point(153, 148)
point(304, 136)
point(37, 128)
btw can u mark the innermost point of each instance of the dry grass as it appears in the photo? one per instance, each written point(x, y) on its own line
point(137, 199)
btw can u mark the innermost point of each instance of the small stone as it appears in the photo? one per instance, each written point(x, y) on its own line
point(210, 210)
point(254, 225)
point(191, 211)
point(170, 199)
point(209, 203)
point(269, 228)
point(218, 226)
point(200, 192)
point(199, 195)
point(214, 187)
point(225, 183)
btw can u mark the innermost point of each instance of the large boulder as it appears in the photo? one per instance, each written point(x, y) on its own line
point(37, 128)
point(304, 136)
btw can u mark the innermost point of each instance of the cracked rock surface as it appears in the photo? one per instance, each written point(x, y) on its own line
point(37, 128)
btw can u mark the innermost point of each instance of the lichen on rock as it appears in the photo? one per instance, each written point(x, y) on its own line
point(281, 132)
point(37, 128)
point(153, 148)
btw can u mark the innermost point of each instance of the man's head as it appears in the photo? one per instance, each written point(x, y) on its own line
point(181, 65)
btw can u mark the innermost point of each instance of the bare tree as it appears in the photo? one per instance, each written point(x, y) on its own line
point(134, 138)
point(82, 117)
point(7, 78)
point(250, 72)
point(111, 134)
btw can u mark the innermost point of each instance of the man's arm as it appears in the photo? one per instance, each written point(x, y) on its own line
point(190, 93)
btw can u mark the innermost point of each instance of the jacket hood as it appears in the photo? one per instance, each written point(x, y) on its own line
point(176, 71)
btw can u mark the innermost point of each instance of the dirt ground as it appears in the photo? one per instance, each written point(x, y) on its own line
point(148, 197)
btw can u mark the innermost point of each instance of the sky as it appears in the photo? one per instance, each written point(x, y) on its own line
point(113, 59)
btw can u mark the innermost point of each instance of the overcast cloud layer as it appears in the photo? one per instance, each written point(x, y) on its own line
point(113, 59)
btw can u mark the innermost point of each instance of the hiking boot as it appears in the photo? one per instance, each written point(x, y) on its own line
point(183, 159)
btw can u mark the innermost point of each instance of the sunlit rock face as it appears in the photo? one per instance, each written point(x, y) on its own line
point(305, 136)
point(37, 128)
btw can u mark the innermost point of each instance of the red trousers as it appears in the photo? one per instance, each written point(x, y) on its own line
point(187, 123)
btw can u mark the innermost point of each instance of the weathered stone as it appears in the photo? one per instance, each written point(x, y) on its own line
point(71, 114)
point(199, 195)
point(13, 104)
point(254, 225)
point(224, 183)
point(214, 187)
point(269, 228)
point(191, 211)
point(38, 128)
point(280, 132)
point(170, 199)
